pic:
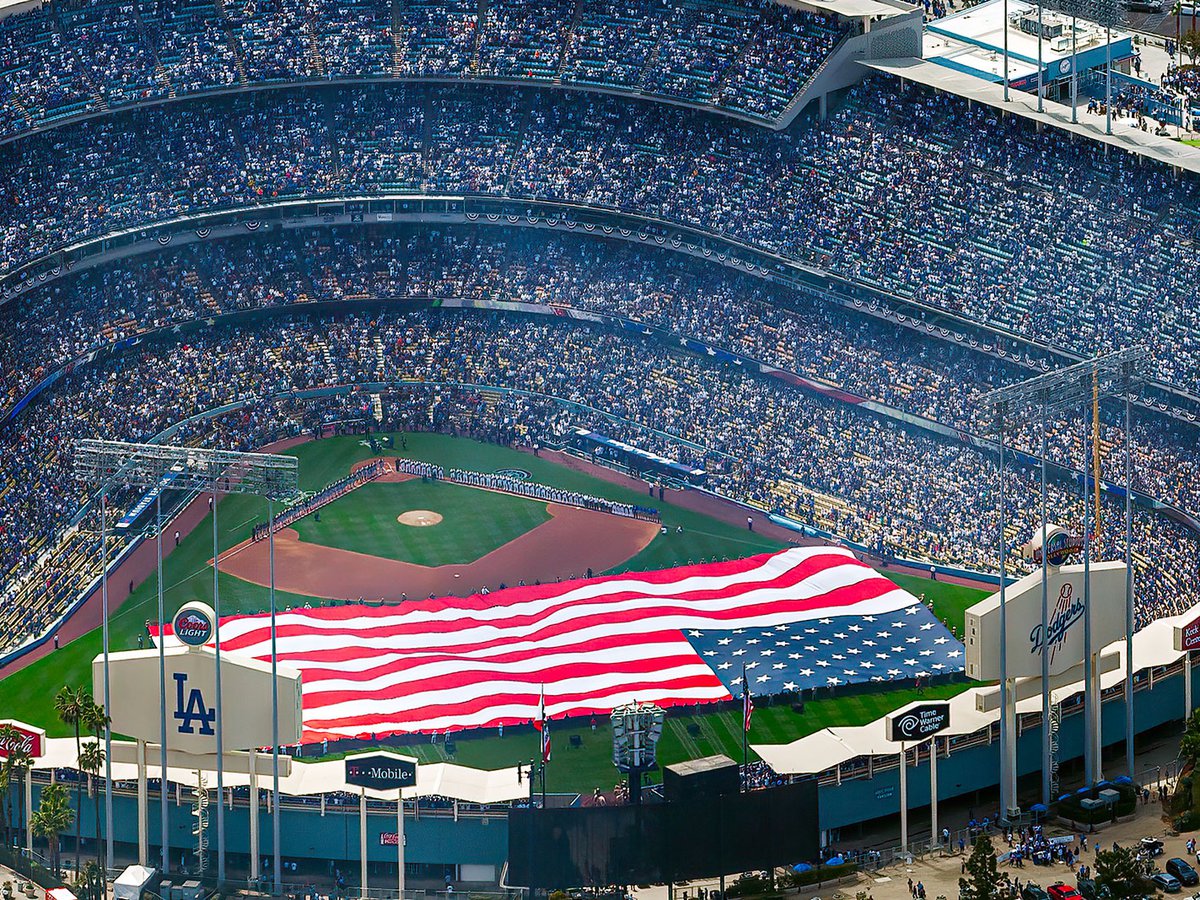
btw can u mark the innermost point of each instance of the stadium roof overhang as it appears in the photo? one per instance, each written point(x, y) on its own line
point(1153, 646)
point(1056, 115)
point(456, 782)
point(851, 9)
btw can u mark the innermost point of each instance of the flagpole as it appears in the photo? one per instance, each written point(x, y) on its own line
point(746, 707)
point(544, 728)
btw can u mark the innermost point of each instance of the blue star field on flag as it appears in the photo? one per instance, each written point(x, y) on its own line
point(832, 651)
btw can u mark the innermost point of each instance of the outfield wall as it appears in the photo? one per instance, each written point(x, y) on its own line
point(436, 840)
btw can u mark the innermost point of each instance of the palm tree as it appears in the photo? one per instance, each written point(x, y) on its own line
point(91, 758)
point(53, 817)
point(18, 763)
point(6, 796)
point(95, 721)
point(71, 705)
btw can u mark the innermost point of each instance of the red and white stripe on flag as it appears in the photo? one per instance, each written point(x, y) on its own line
point(482, 661)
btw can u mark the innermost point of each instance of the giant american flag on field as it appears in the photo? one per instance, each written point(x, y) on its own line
point(799, 618)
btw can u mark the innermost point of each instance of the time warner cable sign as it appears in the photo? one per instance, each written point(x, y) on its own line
point(1063, 639)
point(918, 722)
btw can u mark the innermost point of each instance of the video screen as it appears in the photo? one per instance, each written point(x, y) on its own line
point(621, 845)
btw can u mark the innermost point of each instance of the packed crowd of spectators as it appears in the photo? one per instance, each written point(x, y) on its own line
point(874, 482)
point(81, 56)
point(921, 375)
point(1183, 81)
point(914, 192)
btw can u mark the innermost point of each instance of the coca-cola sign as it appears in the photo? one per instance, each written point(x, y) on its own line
point(19, 736)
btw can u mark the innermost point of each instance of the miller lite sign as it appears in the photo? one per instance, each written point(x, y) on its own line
point(16, 735)
point(1060, 545)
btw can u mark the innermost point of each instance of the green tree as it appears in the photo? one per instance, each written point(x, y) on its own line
point(52, 817)
point(983, 880)
point(1189, 744)
point(71, 704)
point(14, 770)
point(91, 760)
point(8, 735)
point(95, 721)
point(1120, 870)
point(1189, 44)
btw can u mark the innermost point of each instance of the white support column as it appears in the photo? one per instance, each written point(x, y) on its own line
point(362, 842)
point(1187, 687)
point(400, 843)
point(933, 790)
point(29, 812)
point(255, 838)
point(143, 806)
point(1098, 738)
point(1009, 748)
point(903, 801)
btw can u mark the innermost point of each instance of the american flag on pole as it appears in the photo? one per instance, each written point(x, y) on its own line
point(543, 725)
point(747, 703)
point(804, 617)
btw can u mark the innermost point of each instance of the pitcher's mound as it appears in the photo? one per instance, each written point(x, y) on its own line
point(419, 518)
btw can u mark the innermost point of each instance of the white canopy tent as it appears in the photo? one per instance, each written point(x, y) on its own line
point(456, 782)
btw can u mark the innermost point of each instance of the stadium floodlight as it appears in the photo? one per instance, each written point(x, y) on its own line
point(105, 465)
point(118, 463)
point(1082, 385)
point(636, 729)
point(1112, 375)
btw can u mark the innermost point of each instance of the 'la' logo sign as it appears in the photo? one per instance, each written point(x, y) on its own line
point(190, 708)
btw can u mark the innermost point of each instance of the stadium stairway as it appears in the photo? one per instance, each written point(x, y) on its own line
point(564, 52)
point(840, 53)
point(398, 45)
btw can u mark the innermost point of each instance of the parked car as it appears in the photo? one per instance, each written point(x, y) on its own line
point(1166, 882)
point(1032, 892)
point(1093, 891)
point(1060, 891)
point(1182, 870)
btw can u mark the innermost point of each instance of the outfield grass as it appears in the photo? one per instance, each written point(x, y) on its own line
point(950, 601)
point(589, 765)
point(27, 695)
point(474, 522)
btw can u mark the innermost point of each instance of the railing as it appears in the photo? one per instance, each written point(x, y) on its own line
point(31, 866)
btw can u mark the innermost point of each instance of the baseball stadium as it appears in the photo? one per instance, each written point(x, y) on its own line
point(599, 449)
